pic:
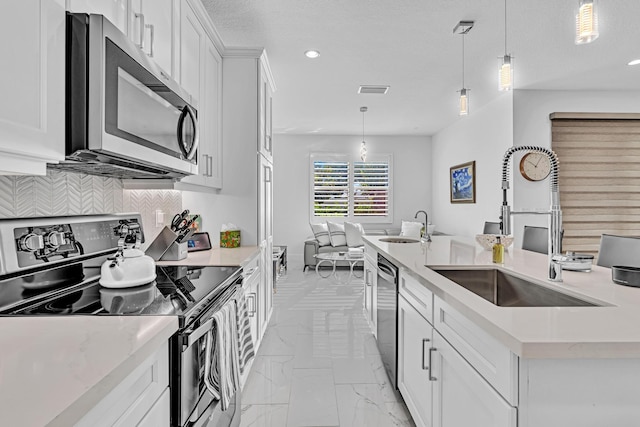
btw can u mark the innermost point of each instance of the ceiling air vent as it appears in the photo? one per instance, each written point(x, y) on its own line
point(376, 90)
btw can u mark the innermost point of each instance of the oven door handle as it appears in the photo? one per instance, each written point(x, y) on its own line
point(198, 333)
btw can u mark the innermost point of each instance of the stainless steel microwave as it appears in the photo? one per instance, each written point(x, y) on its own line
point(124, 116)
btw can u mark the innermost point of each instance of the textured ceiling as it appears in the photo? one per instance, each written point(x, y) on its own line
point(410, 45)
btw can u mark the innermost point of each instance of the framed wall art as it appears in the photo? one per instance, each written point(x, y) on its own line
point(462, 180)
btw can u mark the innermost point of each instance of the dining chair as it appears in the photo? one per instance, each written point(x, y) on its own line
point(619, 250)
point(536, 239)
point(491, 228)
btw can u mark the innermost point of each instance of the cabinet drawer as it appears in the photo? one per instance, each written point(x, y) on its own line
point(495, 362)
point(416, 294)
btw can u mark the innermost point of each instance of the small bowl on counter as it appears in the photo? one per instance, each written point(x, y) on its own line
point(574, 261)
point(488, 240)
point(627, 276)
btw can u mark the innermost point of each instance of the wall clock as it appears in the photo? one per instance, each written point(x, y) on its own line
point(535, 166)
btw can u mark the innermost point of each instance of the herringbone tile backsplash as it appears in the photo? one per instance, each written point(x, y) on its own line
point(64, 193)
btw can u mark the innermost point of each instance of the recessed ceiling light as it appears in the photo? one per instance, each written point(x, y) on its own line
point(312, 54)
point(634, 62)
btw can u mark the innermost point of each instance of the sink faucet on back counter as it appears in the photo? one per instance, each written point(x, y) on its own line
point(555, 214)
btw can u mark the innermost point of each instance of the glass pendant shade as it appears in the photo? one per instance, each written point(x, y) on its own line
point(505, 74)
point(363, 145)
point(464, 102)
point(586, 22)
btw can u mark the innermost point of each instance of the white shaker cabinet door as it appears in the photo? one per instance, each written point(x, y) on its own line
point(32, 85)
point(414, 342)
point(152, 25)
point(461, 397)
point(192, 51)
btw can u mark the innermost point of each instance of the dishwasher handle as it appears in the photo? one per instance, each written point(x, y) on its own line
point(387, 273)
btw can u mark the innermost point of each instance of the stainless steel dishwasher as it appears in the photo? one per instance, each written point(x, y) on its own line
point(387, 316)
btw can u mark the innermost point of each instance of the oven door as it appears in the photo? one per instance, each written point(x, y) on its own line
point(197, 407)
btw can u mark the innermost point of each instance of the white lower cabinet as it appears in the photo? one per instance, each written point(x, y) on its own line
point(159, 414)
point(461, 397)
point(440, 387)
point(139, 399)
point(414, 344)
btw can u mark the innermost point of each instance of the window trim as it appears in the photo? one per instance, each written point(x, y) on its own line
point(343, 157)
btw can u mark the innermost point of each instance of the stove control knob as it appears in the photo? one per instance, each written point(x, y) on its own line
point(55, 239)
point(31, 242)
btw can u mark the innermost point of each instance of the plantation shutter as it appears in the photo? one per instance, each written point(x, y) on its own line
point(370, 188)
point(330, 188)
point(599, 158)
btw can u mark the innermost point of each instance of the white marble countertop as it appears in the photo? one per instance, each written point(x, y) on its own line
point(53, 370)
point(218, 257)
point(611, 330)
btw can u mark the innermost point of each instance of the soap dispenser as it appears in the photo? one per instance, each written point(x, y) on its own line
point(498, 251)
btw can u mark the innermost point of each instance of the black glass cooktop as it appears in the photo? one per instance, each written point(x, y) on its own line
point(74, 289)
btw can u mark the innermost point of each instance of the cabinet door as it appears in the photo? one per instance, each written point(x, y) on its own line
point(210, 122)
point(192, 51)
point(414, 342)
point(369, 271)
point(158, 415)
point(265, 143)
point(116, 11)
point(461, 397)
point(374, 301)
point(32, 85)
point(159, 31)
point(265, 198)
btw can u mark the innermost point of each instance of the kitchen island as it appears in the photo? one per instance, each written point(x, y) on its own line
point(540, 366)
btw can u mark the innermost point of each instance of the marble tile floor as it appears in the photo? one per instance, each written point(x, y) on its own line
point(318, 364)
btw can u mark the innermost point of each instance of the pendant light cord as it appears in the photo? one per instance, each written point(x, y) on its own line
point(505, 27)
point(463, 34)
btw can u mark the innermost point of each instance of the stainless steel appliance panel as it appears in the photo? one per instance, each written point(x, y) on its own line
point(387, 316)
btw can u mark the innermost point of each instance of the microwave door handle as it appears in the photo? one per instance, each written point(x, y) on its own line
point(188, 112)
point(151, 28)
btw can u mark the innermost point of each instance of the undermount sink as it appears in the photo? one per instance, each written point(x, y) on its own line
point(506, 290)
point(399, 240)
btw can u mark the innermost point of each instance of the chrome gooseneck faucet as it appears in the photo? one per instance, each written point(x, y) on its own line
point(555, 214)
point(426, 223)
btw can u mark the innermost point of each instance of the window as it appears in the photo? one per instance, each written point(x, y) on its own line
point(351, 190)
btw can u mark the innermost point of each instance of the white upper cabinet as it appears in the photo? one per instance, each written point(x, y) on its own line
point(31, 118)
point(151, 24)
point(192, 51)
point(265, 102)
point(148, 23)
point(201, 77)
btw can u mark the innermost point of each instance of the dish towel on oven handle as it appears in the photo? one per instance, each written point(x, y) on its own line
point(246, 351)
point(222, 377)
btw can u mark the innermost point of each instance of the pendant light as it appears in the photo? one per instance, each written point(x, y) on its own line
point(363, 145)
point(463, 27)
point(505, 73)
point(586, 22)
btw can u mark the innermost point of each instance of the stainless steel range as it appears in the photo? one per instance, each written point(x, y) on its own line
point(51, 266)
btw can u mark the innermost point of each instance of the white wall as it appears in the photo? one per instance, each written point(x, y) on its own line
point(532, 126)
point(484, 135)
point(411, 179)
